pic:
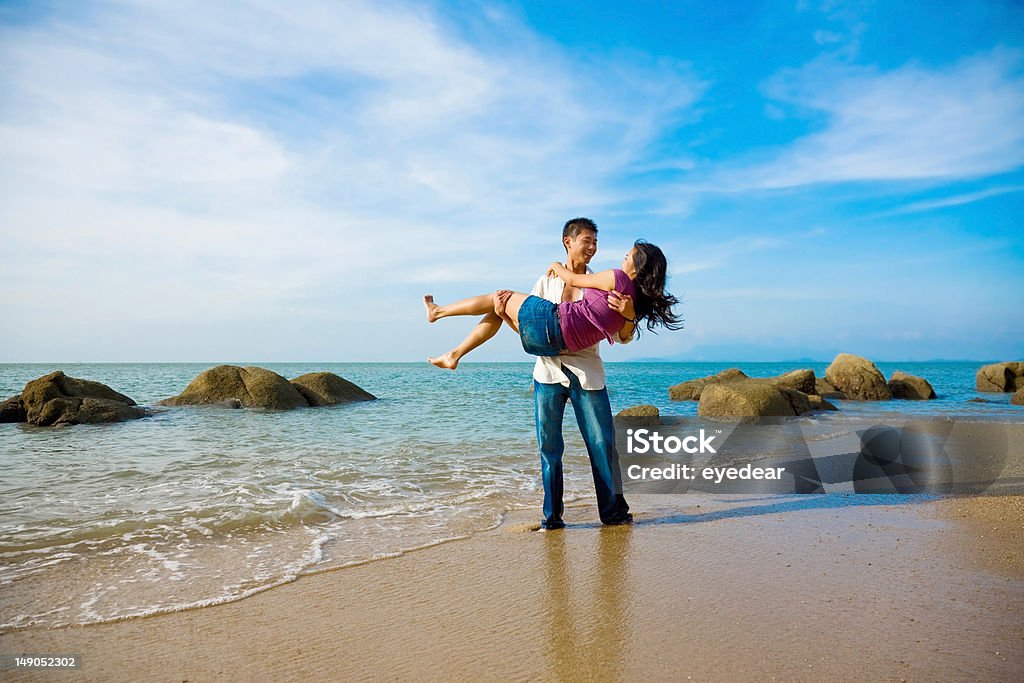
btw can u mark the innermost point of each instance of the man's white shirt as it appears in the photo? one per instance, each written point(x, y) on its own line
point(586, 364)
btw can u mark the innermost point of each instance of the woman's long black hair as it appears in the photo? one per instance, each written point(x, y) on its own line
point(652, 303)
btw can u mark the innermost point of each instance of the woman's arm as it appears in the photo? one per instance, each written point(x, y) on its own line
point(605, 280)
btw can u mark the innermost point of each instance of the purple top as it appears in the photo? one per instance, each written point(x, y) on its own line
point(589, 320)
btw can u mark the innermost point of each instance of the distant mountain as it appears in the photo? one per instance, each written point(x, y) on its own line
point(751, 353)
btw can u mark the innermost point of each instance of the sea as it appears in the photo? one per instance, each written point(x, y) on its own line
point(194, 506)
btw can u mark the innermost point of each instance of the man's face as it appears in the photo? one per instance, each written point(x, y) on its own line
point(582, 247)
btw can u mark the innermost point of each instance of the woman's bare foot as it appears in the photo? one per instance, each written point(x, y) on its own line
point(447, 361)
point(432, 308)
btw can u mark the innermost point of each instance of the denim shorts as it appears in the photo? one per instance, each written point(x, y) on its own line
point(539, 327)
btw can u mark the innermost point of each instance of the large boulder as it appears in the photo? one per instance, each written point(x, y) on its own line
point(823, 388)
point(1000, 377)
point(328, 389)
point(253, 387)
point(798, 400)
point(753, 398)
point(1018, 397)
point(902, 385)
point(1017, 368)
point(57, 399)
point(639, 416)
point(857, 378)
point(818, 403)
point(13, 410)
point(801, 380)
point(691, 390)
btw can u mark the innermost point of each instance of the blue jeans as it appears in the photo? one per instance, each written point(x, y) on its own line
point(594, 415)
point(540, 330)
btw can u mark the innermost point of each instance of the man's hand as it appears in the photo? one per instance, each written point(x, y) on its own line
point(501, 298)
point(622, 303)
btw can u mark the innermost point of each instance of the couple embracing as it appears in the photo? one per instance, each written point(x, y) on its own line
point(562, 322)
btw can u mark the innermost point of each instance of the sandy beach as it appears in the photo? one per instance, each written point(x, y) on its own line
point(710, 588)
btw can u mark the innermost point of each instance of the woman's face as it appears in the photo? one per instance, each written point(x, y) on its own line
point(628, 266)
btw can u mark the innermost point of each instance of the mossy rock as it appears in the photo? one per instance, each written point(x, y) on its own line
point(254, 387)
point(857, 378)
point(824, 388)
point(639, 416)
point(691, 389)
point(746, 398)
point(56, 399)
point(13, 410)
point(818, 403)
point(911, 387)
point(328, 389)
point(801, 380)
point(1000, 377)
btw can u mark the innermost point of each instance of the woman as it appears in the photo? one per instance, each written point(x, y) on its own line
point(548, 329)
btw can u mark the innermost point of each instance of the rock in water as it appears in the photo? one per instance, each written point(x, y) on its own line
point(13, 410)
point(857, 378)
point(801, 380)
point(57, 399)
point(328, 389)
point(640, 416)
point(755, 398)
point(910, 387)
point(818, 403)
point(823, 388)
point(1000, 377)
point(253, 387)
point(690, 390)
point(1018, 397)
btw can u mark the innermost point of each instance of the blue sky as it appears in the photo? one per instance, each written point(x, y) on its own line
point(261, 181)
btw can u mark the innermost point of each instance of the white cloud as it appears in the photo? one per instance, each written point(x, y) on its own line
point(911, 123)
point(725, 253)
point(241, 156)
point(761, 294)
point(955, 200)
point(827, 37)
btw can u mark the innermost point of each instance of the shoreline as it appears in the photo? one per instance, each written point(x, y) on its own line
point(710, 586)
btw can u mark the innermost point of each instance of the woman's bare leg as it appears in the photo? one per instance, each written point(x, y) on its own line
point(474, 305)
point(484, 330)
point(512, 309)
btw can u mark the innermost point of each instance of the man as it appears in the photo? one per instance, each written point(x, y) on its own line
point(580, 378)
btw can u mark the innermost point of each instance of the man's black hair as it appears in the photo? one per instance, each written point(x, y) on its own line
point(575, 226)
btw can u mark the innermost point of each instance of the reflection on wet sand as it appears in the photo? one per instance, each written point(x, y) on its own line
point(588, 604)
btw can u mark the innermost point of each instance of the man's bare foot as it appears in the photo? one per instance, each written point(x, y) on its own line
point(432, 308)
point(447, 361)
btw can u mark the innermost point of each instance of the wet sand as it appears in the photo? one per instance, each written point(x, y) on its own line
point(725, 588)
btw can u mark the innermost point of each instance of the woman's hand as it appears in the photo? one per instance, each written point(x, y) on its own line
point(623, 304)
